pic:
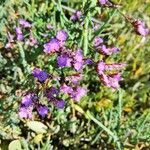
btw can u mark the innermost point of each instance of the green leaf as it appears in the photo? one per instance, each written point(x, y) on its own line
point(37, 127)
point(15, 145)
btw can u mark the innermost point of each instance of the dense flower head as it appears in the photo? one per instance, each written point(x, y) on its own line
point(19, 34)
point(27, 100)
point(60, 104)
point(66, 89)
point(107, 51)
point(25, 112)
point(74, 78)
point(25, 23)
point(52, 46)
point(43, 110)
point(111, 80)
point(51, 92)
point(102, 67)
point(97, 41)
point(78, 60)
point(64, 61)
point(40, 75)
point(62, 35)
point(78, 93)
point(140, 28)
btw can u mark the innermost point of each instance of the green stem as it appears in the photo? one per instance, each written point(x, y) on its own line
point(85, 36)
point(116, 139)
point(24, 62)
point(120, 104)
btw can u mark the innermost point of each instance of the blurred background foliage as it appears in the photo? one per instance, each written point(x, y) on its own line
point(129, 121)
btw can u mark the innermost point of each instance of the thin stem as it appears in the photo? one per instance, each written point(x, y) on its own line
point(120, 104)
point(73, 109)
point(85, 35)
point(116, 139)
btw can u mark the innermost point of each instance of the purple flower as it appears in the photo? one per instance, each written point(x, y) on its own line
point(111, 80)
point(51, 93)
point(103, 2)
point(9, 45)
point(52, 46)
point(78, 93)
point(64, 61)
point(60, 104)
point(74, 78)
point(98, 41)
point(100, 67)
point(78, 60)
point(107, 51)
point(88, 61)
point(66, 89)
point(43, 110)
point(18, 30)
point(19, 33)
point(25, 112)
point(25, 23)
point(32, 41)
point(115, 66)
point(40, 75)
point(76, 16)
point(27, 100)
point(62, 35)
point(140, 28)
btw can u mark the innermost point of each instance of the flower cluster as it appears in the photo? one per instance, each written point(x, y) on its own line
point(140, 28)
point(29, 103)
point(19, 35)
point(68, 84)
point(104, 69)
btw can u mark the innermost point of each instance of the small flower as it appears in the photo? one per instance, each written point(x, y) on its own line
point(74, 78)
point(51, 93)
point(25, 112)
point(88, 61)
point(111, 80)
point(32, 41)
point(103, 2)
point(40, 75)
point(52, 46)
point(25, 23)
point(43, 111)
point(64, 61)
point(66, 89)
point(98, 41)
point(18, 30)
point(19, 33)
point(78, 60)
point(140, 28)
point(115, 66)
point(76, 16)
point(60, 104)
point(107, 51)
point(78, 93)
point(27, 100)
point(102, 66)
point(62, 35)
